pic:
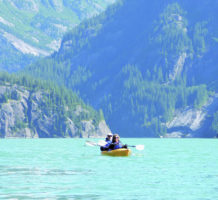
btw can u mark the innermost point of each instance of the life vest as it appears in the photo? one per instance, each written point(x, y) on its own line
point(118, 145)
point(108, 142)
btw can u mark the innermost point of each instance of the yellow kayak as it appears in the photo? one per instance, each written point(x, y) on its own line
point(117, 152)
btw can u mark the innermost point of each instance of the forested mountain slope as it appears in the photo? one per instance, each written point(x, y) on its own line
point(144, 63)
point(38, 109)
point(32, 28)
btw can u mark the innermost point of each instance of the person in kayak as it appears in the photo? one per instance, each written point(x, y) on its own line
point(116, 143)
point(108, 139)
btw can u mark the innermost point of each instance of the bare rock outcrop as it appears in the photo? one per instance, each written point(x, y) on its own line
point(193, 122)
point(22, 115)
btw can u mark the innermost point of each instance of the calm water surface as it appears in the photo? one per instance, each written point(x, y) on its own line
point(168, 169)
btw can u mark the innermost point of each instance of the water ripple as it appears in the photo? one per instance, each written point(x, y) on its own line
point(4, 170)
point(52, 197)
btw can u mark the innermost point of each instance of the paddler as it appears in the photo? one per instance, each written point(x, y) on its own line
point(108, 141)
point(116, 143)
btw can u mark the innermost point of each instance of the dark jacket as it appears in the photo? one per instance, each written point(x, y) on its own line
point(105, 147)
point(107, 140)
point(115, 145)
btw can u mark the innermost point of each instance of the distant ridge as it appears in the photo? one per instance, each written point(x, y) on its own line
point(35, 28)
point(143, 62)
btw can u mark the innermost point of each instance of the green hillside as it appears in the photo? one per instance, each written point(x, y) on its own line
point(141, 62)
point(36, 108)
point(36, 27)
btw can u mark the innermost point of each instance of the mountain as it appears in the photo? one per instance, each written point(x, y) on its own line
point(32, 28)
point(146, 64)
point(38, 109)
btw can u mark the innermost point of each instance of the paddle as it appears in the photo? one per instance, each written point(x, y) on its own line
point(139, 147)
point(103, 143)
point(92, 144)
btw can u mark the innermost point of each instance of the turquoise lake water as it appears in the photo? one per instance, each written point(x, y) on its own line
point(168, 169)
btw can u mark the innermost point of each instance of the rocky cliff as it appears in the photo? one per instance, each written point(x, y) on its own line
point(193, 122)
point(23, 114)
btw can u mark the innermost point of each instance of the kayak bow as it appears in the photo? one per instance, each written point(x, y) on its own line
point(117, 152)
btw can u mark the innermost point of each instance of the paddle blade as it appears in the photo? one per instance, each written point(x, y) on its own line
point(91, 144)
point(102, 143)
point(140, 147)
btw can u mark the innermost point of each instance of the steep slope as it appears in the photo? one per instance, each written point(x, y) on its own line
point(31, 28)
point(32, 108)
point(141, 62)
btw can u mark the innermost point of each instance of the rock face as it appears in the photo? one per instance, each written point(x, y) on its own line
point(22, 116)
point(178, 67)
point(193, 122)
